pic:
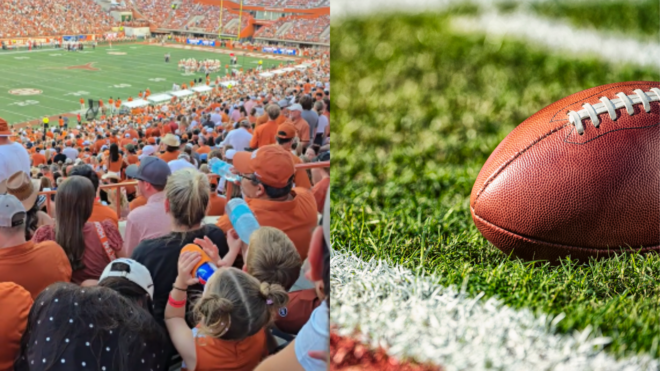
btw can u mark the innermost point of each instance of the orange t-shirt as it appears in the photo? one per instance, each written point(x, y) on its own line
point(133, 159)
point(229, 355)
point(38, 159)
point(115, 166)
point(34, 266)
point(264, 135)
point(320, 190)
point(203, 149)
point(216, 206)
point(300, 178)
point(297, 218)
point(137, 202)
point(302, 129)
point(261, 120)
point(101, 212)
point(293, 317)
point(169, 156)
point(15, 304)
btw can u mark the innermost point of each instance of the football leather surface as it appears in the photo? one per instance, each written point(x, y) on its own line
point(581, 177)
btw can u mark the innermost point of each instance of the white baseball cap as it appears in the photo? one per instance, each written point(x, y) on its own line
point(135, 272)
point(147, 151)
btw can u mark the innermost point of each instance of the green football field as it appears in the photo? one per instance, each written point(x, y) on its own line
point(418, 110)
point(51, 82)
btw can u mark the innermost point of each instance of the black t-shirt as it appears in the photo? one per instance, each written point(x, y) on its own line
point(60, 157)
point(161, 256)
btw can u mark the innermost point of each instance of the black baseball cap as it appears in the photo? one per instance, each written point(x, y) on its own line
point(151, 170)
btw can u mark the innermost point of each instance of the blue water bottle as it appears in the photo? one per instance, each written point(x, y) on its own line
point(222, 169)
point(242, 218)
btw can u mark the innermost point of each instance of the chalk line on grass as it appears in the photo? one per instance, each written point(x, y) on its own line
point(412, 316)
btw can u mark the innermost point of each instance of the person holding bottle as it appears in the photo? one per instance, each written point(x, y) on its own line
point(186, 199)
point(267, 184)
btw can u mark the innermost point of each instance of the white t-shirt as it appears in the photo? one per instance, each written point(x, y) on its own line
point(323, 123)
point(13, 158)
point(315, 335)
point(239, 139)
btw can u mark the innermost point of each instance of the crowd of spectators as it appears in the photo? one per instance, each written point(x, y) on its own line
point(302, 29)
point(84, 287)
point(23, 18)
point(156, 12)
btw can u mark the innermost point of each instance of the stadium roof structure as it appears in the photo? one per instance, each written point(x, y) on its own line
point(181, 93)
point(136, 103)
point(201, 89)
point(227, 84)
point(157, 98)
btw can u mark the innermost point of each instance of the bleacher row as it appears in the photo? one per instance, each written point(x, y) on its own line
point(25, 18)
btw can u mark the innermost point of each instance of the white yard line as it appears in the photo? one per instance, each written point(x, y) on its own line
point(559, 35)
point(411, 316)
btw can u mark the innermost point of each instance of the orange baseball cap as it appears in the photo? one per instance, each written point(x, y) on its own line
point(286, 131)
point(151, 140)
point(4, 129)
point(272, 165)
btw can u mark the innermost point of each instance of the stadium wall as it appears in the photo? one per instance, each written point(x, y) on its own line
point(234, 5)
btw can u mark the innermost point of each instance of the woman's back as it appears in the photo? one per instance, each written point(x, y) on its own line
point(95, 257)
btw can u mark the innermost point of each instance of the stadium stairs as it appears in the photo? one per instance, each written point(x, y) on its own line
point(325, 34)
point(284, 28)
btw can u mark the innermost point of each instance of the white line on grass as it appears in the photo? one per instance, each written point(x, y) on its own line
point(559, 35)
point(413, 317)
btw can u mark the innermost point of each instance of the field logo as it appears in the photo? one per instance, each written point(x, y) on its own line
point(25, 91)
point(120, 86)
point(24, 103)
point(87, 66)
point(158, 79)
point(116, 53)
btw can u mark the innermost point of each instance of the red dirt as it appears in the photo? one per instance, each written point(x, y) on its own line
point(39, 122)
point(347, 354)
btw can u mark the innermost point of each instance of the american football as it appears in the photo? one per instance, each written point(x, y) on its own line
point(579, 178)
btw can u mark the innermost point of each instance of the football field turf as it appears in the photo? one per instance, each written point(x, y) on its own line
point(419, 107)
point(51, 82)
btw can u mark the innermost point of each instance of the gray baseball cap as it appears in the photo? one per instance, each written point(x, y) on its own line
point(12, 211)
point(151, 170)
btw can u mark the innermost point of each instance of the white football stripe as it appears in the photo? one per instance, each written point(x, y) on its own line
point(412, 316)
point(559, 35)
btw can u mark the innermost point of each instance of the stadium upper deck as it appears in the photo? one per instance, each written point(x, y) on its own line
point(23, 18)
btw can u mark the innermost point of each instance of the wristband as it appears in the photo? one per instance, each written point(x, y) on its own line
point(180, 289)
point(176, 303)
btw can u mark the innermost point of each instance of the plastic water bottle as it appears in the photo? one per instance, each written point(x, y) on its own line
point(222, 169)
point(242, 218)
point(205, 268)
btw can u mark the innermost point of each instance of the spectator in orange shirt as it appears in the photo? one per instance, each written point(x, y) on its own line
point(172, 149)
point(265, 134)
point(285, 136)
point(38, 158)
point(301, 125)
point(217, 204)
point(321, 179)
point(234, 311)
point(32, 265)
point(15, 304)
point(100, 212)
point(267, 184)
point(82, 104)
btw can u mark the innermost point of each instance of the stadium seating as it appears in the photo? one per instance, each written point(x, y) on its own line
point(23, 18)
point(302, 29)
point(156, 12)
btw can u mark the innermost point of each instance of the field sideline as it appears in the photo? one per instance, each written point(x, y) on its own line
point(117, 75)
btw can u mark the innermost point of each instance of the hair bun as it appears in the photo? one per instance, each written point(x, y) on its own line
point(264, 288)
point(225, 305)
